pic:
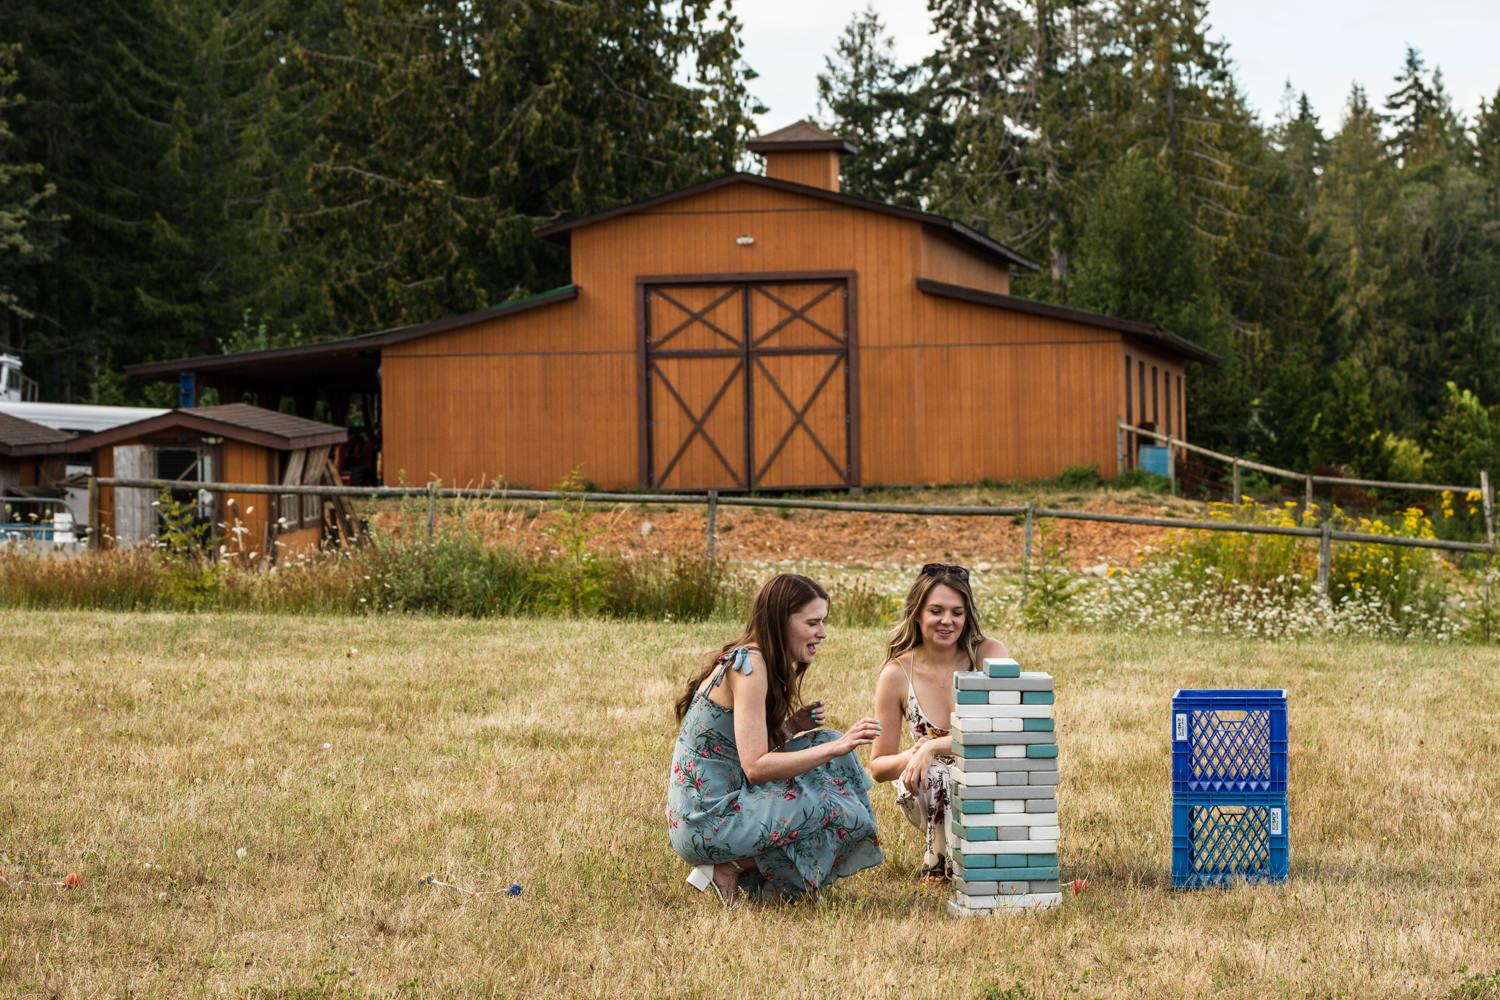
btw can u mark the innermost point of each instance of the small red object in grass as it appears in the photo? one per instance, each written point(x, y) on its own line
point(73, 880)
point(1079, 885)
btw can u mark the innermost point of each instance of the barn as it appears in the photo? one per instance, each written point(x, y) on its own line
point(751, 332)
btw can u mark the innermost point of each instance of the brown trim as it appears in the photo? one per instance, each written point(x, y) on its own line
point(206, 425)
point(836, 145)
point(851, 381)
point(749, 353)
point(643, 384)
point(973, 237)
point(351, 345)
point(1160, 338)
point(30, 450)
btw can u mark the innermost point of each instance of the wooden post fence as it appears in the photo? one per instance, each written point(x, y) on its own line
point(713, 523)
point(1325, 556)
point(1026, 549)
point(432, 512)
point(1237, 491)
point(1487, 497)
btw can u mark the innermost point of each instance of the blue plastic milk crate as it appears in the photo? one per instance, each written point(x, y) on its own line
point(1226, 838)
point(1229, 741)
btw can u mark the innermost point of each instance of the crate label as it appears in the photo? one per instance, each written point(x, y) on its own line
point(1181, 726)
point(1275, 822)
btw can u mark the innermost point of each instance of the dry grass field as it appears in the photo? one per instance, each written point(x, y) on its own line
point(349, 757)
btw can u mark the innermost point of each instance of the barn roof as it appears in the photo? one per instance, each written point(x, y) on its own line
point(330, 356)
point(236, 421)
point(803, 136)
point(22, 437)
point(966, 234)
point(1144, 331)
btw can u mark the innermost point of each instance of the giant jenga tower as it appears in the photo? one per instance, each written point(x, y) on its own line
point(1003, 828)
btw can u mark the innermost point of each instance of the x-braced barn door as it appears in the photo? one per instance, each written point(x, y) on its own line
point(749, 383)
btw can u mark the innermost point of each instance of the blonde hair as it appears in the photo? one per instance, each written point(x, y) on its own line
point(907, 635)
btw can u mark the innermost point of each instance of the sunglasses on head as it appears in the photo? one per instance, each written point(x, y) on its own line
point(938, 569)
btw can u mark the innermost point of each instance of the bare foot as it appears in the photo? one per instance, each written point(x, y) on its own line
point(727, 881)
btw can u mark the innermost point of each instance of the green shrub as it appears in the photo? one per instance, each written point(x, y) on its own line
point(1079, 477)
point(1140, 479)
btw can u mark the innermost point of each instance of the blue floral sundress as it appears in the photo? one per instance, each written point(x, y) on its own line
point(804, 832)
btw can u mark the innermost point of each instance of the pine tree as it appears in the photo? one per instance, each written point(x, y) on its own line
point(886, 109)
point(28, 226)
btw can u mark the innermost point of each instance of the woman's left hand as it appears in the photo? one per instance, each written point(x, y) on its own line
point(810, 716)
point(914, 776)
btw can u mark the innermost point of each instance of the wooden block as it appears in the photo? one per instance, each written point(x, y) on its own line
point(1031, 821)
point(1010, 874)
point(977, 847)
point(1049, 832)
point(990, 905)
point(1036, 725)
point(1036, 697)
point(1040, 751)
point(1041, 792)
point(971, 681)
point(993, 888)
point(1047, 805)
point(1011, 738)
point(994, 712)
point(1000, 697)
point(972, 764)
point(1002, 667)
point(968, 725)
point(969, 862)
point(988, 807)
point(973, 697)
point(1043, 778)
point(979, 779)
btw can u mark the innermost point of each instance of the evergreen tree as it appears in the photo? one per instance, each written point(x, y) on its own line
point(28, 227)
point(887, 110)
point(454, 128)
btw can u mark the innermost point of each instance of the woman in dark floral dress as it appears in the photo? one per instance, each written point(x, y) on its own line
point(778, 817)
point(938, 636)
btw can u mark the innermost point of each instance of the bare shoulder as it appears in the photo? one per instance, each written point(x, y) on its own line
point(992, 647)
point(892, 678)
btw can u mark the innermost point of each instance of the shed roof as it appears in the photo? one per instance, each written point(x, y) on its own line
point(236, 421)
point(20, 437)
point(966, 234)
point(803, 136)
point(1145, 331)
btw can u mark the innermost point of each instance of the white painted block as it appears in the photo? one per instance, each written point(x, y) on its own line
point(1005, 725)
point(1036, 674)
point(1008, 846)
point(1044, 820)
point(977, 779)
point(993, 712)
point(1005, 697)
point(1010, 752)
point(1027, 901)
point(972, 724)
point(1002, 806)
point(1046, 832)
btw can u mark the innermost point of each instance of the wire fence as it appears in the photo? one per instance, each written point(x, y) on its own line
point(433, 495)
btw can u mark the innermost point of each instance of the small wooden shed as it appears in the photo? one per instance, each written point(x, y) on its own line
point(232, 443)
point(755, 332)
point(31, 456)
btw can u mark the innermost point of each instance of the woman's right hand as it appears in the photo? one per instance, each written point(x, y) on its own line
point(862, 733)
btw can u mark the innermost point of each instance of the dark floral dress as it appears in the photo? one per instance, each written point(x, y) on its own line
point(803, 833)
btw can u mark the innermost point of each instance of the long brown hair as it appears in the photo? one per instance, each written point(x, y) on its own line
point(907, 635)
point(772, 609)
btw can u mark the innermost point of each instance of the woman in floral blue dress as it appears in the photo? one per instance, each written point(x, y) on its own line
point(779, 816)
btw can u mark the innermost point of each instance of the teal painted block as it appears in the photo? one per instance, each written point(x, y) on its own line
point(1042, 750)
point(1037, 698)
point(976, 833)
point(1002, 668)
point(973, 861)
point(973, 697)
point(1036, 725)
point(982, 806)
point(973, 752)
point(1027, 874)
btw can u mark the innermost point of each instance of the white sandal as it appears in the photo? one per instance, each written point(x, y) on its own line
point(702, 877)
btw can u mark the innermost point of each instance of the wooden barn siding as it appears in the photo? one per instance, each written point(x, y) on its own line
point(943, 259)
point(997, 395)
point(949, 391)
point(245, 463)
point(1168, 366)
point(815, 168)
point(104, 467)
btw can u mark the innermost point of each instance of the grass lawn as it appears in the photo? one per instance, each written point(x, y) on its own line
point(349, 757)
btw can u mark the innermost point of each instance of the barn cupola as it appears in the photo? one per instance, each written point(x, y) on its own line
point(804, 154)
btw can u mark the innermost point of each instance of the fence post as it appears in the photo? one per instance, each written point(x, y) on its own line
point(1487, 496)
point(1026, 548)
point(1119, 447)
point(713, 523)
point(1307, 496)
point(432, 511)
point(1325, 556)
point(1171, 466)
point(1237, 494)
point(96, 521)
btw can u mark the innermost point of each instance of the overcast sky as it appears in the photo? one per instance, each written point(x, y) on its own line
point(1322, 46)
